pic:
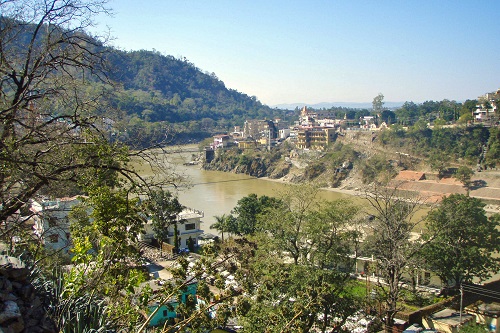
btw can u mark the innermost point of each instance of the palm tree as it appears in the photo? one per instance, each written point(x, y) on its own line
point(223, 224)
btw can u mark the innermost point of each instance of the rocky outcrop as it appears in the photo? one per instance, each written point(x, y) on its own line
point(21, 309)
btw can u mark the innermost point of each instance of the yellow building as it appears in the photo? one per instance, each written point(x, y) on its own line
point(246, 144)
point(315, 137)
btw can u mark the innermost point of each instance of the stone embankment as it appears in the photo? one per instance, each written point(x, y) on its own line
point(21, 310)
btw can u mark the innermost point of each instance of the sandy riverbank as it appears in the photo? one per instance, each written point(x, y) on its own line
point(432, 191)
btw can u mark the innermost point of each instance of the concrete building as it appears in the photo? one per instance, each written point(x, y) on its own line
point(447, 321)
point(221, 141)
point(51, 223)
point(257, 129)
point(315, 137)
point(188, 229)
point(167, 311)
point(486, 107)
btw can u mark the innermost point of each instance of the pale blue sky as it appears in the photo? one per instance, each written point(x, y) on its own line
point(288, 51)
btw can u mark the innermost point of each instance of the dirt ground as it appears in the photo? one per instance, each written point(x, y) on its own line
point(486, 184)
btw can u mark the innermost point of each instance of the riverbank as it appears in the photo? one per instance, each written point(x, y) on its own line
point(432, 191)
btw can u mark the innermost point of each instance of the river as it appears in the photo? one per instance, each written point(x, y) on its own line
point(216, 193)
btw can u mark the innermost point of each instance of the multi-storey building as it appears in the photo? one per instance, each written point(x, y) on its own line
point(221, 141)
point(257, 129)
point(310, 118)
point(51, 223)
point(52, 227)
point(315, 137)
point(487, 106)
point(188, 228)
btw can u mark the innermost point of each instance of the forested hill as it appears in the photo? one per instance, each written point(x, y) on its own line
point(164, 88)
point(151, 91)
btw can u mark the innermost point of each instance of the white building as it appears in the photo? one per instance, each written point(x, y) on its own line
point(221, 141)
point(188, 228)
point(486, 107)
point(284, 133)
point(51, 223)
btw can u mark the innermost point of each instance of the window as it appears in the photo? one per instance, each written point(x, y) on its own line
point(165, 313)
point(191, 226)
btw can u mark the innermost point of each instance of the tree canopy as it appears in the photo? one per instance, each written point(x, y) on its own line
point(464, 240)
point(247, 211)
point(312, 294)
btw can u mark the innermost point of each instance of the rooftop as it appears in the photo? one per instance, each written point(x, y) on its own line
point(451, 317)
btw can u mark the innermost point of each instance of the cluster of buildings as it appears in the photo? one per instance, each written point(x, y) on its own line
point(314, 130)
point(487, 107)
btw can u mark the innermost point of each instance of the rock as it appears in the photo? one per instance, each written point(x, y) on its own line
point(7, 286)
point(20, 308)
point(17, 274)
point(27, 292)
point(9, 311)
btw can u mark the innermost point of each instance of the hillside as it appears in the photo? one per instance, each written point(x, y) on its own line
point(147, 95)
point(347, 167)
point(164, 88)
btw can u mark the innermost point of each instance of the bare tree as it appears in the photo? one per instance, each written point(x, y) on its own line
point(390, 242)
point(52, 86)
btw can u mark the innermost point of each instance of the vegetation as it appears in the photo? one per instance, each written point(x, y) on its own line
point(464, 175)
point(457, 143)
point(391, 227)
point(164, 210)
point(473, 328)
point(465, 241)
point(377, 169)
point(55, 143)
point(310, 294)
point(67, 128)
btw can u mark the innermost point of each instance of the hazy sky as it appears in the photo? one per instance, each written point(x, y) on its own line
point(287, 51)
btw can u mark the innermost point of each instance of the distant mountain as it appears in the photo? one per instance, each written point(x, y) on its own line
point(327, 105)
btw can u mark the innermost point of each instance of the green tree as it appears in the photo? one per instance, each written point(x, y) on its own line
point(378, 103)
point(224, 223)
point(407, 114)
point(290, 222)
point(468, 107)
point(53, 94)
point(440, 122)
point(464, 175)
point(464, 240)
point(316, 292)
point(103, 230)
point(492, 156)
point(164, 209)
point(465, 118)
point(43, 107)
point(247, 211)
point(439, 162)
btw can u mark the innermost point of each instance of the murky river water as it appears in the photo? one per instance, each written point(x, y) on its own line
point(216, 193)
